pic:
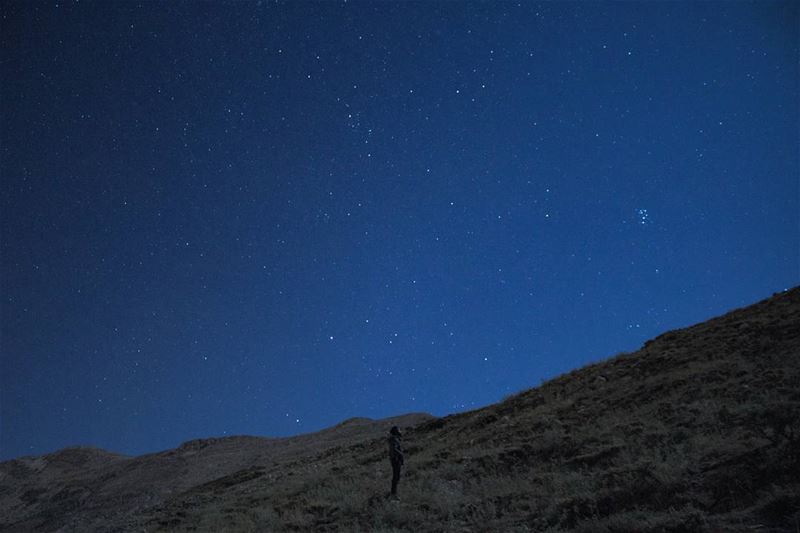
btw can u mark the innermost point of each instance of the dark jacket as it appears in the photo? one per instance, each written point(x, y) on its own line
point(395, 449)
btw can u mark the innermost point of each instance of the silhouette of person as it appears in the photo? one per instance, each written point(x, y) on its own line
point(395, 457)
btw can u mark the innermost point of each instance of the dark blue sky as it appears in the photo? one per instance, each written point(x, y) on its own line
point(258, 218)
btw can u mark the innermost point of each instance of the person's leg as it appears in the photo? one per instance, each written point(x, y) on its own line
point(395, 476)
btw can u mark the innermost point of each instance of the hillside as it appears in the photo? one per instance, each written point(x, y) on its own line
point(699, 430)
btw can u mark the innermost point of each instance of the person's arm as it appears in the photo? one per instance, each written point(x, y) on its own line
point(398, 450)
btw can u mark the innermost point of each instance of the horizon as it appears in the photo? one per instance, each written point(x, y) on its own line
point(263, 219)
point(544, 380)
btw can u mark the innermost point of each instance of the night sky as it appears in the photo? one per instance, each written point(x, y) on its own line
point(259, 218)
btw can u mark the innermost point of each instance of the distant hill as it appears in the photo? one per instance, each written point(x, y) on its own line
point(697, 431)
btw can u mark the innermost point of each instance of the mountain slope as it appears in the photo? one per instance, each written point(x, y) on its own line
point(697, 431)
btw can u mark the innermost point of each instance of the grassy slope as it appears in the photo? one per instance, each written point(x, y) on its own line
point(698, 430)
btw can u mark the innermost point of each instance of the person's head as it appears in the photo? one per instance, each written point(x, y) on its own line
point(394, 431)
